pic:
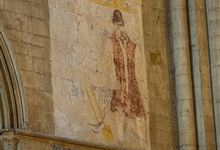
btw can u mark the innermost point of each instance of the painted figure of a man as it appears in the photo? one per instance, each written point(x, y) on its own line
point(126, 98)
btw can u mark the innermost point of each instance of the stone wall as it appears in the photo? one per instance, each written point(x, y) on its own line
point(64, 53)
point(100, 74)
point(163, 117)
point(26, 24)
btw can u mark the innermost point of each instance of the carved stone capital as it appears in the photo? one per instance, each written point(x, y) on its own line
point(9, 141)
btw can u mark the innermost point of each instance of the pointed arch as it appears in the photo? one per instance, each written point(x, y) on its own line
point(13, 114)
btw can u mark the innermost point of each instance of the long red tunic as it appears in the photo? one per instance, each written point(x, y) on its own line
point(130, 102)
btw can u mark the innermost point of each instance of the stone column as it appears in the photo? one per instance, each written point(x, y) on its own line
point(183, 81)
point(213, 19)
point(8, 141)
point(201, 75)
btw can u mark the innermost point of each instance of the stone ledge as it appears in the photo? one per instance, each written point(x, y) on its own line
point(52, 138)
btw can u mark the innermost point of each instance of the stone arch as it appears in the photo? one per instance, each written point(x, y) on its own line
point(13, 114)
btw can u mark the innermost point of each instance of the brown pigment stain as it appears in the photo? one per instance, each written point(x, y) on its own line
point(155, 58)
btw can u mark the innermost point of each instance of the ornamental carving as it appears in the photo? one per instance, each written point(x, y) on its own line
point(9, 142)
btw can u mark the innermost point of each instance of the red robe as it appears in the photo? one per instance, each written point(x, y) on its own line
point(132, 105)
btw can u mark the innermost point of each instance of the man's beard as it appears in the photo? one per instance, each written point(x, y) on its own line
point(122, 37)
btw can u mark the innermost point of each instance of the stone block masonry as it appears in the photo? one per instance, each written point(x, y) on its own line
point(26, 23)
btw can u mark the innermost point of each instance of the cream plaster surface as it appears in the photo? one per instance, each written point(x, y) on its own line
point(82, 92)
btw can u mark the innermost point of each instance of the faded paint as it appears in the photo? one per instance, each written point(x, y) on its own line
point(119, 4)
point(106, 129)
point(155, 58)
point(126, 99)
point(83, 84)
point(79, 30)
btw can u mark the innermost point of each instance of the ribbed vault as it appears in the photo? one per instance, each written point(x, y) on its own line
point(12, 103)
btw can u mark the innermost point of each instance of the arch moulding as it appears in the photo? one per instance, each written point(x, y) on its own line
point(13, 113)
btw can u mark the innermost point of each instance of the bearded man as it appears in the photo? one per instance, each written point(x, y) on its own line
point(120, 59)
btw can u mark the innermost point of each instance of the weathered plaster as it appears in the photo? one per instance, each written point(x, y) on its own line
point(82, 88)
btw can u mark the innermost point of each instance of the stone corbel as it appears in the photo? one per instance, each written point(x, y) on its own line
point(9, 141)
point(26, 126)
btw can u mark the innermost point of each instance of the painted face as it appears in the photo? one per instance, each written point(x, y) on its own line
point(120, 31)
point(119, 26)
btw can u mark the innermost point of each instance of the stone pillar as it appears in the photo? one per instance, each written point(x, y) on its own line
point(9, 141)
point(183, 81)
point(201, 75)
point(213, 19)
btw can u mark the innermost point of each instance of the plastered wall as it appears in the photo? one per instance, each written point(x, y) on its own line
point(86, 84)
point(79, 27)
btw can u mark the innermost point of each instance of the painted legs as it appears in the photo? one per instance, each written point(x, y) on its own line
point(140, 124)
point(120, 124)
